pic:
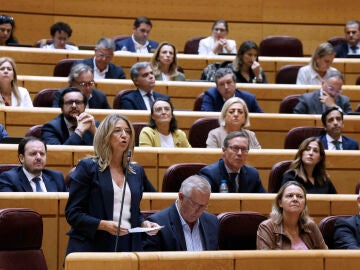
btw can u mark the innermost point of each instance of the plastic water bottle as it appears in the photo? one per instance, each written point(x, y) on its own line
point(223, 186)
point(124, 49)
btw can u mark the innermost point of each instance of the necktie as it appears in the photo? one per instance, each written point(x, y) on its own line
point(337, 145)
point(151, 100)
point(37, 180)
point(232, 182)
point(72, 129)
point(354, 49)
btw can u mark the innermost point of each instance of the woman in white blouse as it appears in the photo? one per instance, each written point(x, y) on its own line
point(10, 93)
point(217, 42)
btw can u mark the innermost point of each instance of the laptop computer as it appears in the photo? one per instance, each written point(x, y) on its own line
point(353, 56)
point(19, 45)
point(11, 140)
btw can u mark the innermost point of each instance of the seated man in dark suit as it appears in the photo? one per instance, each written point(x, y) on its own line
point(186, 226)
point(32, 176)
point(232, 168)
point(141, 99)
point(333, 121)
point(74, 126)
point(328, 96)
point(215, 97)
point(352, 44)
point(139, 41)
point(101, 62)
point(81, 76)
point(347, 231)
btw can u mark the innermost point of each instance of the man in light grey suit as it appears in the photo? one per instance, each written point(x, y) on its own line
point(328, 96)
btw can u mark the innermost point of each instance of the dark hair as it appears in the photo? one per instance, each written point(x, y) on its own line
point(68, 90)
point(60, 26)
point(325, 114)
point(24, 141)
point(233, 135)
point(218, 22)
point(244, 47)
point(173, 121)
point(9, 19)
point(140, 20)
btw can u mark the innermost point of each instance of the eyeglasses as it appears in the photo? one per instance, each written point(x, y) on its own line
point(236, 149)
point(71, 102)
point(195, 205)
point(6, 19)
point(332, 89)
point(120, 130)
point(219, 30)
point(86, 84)
point(102, 55)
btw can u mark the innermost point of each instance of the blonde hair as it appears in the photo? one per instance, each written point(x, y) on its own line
point(155, 63)
point(227, 105)
point(102, 149)
point(14, 84)
point(322, 50)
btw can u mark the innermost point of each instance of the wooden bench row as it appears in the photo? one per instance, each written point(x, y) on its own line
point(229, 260)
point(342, 166)
point(179, 21)
point(34, 61)
point(270, 129)
point(51, 206)
point(183, 94)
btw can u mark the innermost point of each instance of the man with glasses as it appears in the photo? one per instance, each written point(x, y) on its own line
point(187, 227)
point(143, 97)
point(139, 42)
point(215, 97)
point(60, 32)
point(81, 76)
point(101, 62)
point(328, 96)
point(240, 178)
point(74, 126)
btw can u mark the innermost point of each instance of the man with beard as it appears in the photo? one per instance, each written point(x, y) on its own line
point(74, 126)
point(32, 175)
point(333, 121)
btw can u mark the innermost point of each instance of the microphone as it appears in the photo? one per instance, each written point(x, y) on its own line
point(123, 197)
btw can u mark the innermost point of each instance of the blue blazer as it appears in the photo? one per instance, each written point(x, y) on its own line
point(91, 199)
point(249, 179)
point(347, 143)
point(347, 233)
point(341, 50)
point(114, 71)
point(98, 99)
point(134, 101)
point(171, 237)
point(130, 46)
point(56, 132)
point(16, 180)
point(213, 101)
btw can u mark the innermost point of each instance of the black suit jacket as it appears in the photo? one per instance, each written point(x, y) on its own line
point(114, 71)
point(56, 132)
point(134, 101)
point(341, 50)
point(171, 237)
point(16, 180)
point(347, 233)
point(98, 99)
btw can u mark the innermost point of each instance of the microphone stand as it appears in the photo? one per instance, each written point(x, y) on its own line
point(123, 197)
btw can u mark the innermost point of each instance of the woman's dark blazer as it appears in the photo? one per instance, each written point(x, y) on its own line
point(91, 199)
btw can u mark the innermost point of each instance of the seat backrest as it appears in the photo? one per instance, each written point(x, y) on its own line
point(276, 175)
point(357, 82)
point(288, 103)
point(199, 131)
point(63, 67)
point(177, 173)
point(287, 74)
point(336, 40)
point(118, 96)
point(34, 131)
point(295, 136)
point(326, 226)
point(238, 230)
point(6, 167)
point(198, 102)
point(138, 126)
point(21, 232)
point(281, 46)
point(192, 45)
point(357, 188)
point(120, 38)
point(45, 97)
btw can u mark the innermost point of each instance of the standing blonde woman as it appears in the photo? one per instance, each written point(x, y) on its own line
point(10, 93)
